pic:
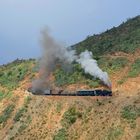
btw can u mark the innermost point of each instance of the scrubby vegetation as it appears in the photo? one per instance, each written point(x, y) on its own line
point(77, 75)
point(112, 64)
point(4, 95)
point(61, 135)
point(135, 69)
point(121, 81)
point(6, 113)
point(115, 133)
point(22, 110)
point(123, 38)
point(130, 112)
point(60, 118)
point(11, 74)
point(25, 124)
point(70, 116)
point(137, 137)
point(59, 107)
point(27, 101)
point(19, 114)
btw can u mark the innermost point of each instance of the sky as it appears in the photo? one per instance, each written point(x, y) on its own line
point(70, 21)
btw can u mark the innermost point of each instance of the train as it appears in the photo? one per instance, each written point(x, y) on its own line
point(49, 92)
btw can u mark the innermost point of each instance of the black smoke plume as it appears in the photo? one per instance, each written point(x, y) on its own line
point(53, 54)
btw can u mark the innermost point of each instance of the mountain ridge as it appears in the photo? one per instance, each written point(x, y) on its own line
point(24, 116)
point(123, 38)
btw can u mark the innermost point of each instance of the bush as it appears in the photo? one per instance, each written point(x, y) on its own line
point(135, 69)
point(27, 101)
point(123, 38)
point(120, 82)
point(61, 135)
point(22, 127)
point(137, 137)
point(6, 113)
point(19, 114)
point(115, 133)
point(70, 117)
point(58, 107)
point(11, 74)
point(5, 95)
point(21, 111)
point(112, 65)
point(77, 75)
point(25, 124)
point(130, 112)
point(118, 63)
point(65, 78)
point(91, 83)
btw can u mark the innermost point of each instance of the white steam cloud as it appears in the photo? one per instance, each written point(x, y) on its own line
point(91, 67)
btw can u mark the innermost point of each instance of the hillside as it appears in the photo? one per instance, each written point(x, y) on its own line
point(24, 116)
point(125, 38)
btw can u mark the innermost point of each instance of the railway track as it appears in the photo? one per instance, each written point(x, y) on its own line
point(47, 92)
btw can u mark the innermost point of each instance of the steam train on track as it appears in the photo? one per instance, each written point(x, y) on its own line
point(49, 92)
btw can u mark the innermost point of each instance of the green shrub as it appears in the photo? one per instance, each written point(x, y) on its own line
point(22, 110)
point(22, 128)
point(58, 107)
point(111, 65)
point(115, 133)
point(133, 124)
point(2, 95)
point(91, 83)
point(118, 63)
point(6, 113)
point(11, 74)
point(27, 101)
point(65, 78)
point(123, 38)
point(135, 69)
point(19, 114)
point(70, 117)
point(77, 75)
point(130, 112)
point(5, 95)
point(137, 137)
point(120, 82)
point(61, 135)
point(25, 124)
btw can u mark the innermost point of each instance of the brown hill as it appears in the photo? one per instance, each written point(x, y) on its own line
point(42, 117)
point(24, 116)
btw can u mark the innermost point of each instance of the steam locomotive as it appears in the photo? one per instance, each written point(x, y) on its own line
point(49, 92)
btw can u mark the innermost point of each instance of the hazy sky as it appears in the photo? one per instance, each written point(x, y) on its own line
point(69, 20)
